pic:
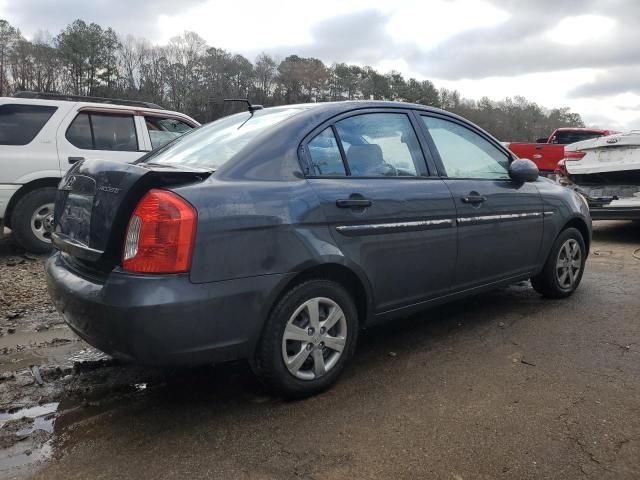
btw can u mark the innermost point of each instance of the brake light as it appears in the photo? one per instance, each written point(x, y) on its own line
point(573, 156)
point(561, 169)
point(160, 234)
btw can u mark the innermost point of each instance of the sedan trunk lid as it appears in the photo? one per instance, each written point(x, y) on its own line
point(95, 200)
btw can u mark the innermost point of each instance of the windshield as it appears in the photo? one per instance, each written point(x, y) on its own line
point(212, 145)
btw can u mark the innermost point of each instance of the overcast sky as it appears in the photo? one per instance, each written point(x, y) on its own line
point(579, 53)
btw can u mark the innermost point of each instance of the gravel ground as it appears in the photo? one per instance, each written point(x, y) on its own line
point(505, 385)
point(24, 303)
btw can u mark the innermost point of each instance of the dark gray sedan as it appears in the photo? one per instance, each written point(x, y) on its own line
point(277, 234)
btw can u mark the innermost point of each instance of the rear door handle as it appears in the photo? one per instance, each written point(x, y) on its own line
point(353, 203)
point(73, 160)
point(474, 199)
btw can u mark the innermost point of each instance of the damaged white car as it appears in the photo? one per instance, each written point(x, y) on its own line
point(606, 171)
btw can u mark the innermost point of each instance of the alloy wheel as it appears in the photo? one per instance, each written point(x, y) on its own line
point(314, 338)
point(568, 264)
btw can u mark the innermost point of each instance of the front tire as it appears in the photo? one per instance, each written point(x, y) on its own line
point(32, 220)
point(564, 267)
point(308, 339)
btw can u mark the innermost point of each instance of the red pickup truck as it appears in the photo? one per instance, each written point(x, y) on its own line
point(547, 152)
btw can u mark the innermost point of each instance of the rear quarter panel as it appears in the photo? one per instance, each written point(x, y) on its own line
point(255, 228)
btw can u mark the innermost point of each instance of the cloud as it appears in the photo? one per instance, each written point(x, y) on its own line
point(525, 44)
point(359, 37)
point(612, 82)
point(137, 17)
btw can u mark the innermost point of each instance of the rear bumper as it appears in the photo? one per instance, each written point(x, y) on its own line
point(163, 320)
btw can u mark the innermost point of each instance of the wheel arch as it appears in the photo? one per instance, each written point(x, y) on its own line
point(332, 270)
point(23, 190)
point(581, 225)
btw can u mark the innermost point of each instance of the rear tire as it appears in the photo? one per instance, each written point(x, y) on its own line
point(32, 218)
point(297, 356)
point(564, 267)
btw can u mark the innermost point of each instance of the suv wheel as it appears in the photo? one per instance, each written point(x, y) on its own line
point(308, 339)
point(563, 270)
point(32, 220)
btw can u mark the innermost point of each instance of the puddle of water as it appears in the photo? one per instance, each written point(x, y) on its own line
point(45, 355)
point(28, 338)
point(32, 446)
point(20, 457)
point(29, 412)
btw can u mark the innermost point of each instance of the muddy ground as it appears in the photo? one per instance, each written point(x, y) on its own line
point(505, 385)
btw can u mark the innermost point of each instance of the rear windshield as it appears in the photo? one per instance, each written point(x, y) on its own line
point(565, 138)
point(210, 146)
point(19, 124)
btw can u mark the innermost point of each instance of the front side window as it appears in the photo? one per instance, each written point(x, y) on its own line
point(464, 153)
point(164, 129)
point(325, 155)
point(380, 144)
point(19, 124)
point(103, 131)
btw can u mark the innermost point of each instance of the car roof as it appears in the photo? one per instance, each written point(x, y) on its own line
point(92, 105)
point(316, 113)
point(348, 105)
point(581, 129)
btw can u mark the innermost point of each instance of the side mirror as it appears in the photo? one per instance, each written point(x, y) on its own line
point(523, 170)
point(541, 140)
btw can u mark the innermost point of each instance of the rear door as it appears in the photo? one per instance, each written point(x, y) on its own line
point(499, 220)
point(385, 212)
point(99, 135)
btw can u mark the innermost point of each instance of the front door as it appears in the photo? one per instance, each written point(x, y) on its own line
point(385, 213)
point(499, 220)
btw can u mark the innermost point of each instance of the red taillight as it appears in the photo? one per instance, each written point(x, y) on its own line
point(160, 234)
point(573, 156)
point(561, 169)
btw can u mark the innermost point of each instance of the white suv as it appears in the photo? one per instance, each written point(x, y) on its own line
point(41, 135)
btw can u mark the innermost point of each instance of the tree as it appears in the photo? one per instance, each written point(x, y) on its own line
point(8, 37)
point(265, 71)
point(88, 53)
point(189, 75)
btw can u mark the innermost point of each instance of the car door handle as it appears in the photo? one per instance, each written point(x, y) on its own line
point(539, 147)
point(73, 160)
point(353, 203)
point(474, 199)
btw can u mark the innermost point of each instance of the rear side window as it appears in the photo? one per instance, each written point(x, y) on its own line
point(380, 144)
point(325, 155)
point(103, 131)
point(19, 124)
point(164, 129)
point(79, 132)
